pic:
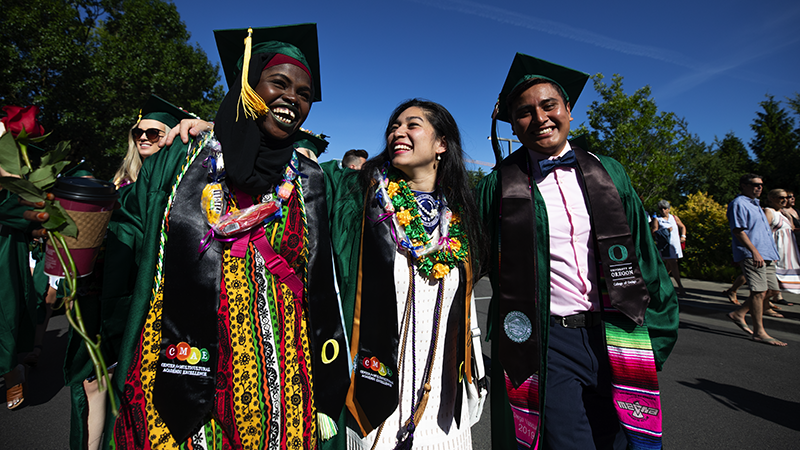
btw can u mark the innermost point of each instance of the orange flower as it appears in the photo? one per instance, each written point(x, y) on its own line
point(403, 217)
point(392, 189)
point(456, 219)
point(440, 270)
point(455, 245)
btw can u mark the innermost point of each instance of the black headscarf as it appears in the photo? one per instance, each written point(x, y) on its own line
point(254, 161)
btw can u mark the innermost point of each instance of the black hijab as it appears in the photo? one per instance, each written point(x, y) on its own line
point(254, 162)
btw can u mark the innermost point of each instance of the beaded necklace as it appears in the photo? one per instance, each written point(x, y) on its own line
point(433, 259)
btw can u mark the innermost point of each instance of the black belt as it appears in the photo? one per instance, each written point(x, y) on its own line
point(586, 319)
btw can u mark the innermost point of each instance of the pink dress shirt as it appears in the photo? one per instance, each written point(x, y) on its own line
point(573, 266)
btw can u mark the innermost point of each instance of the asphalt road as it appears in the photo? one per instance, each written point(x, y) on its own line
point(719, 390)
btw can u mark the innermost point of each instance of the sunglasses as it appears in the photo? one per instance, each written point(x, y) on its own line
point(782, 198)
point(152, 134)
point(751, 184)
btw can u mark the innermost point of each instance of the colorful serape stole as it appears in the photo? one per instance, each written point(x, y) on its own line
point(635, 391)
point(525, 407)
point(263, 380)
point(634, 383)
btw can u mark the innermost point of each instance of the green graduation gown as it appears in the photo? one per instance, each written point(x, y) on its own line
point(118, 314)
point(18, 304)
point(662, 312)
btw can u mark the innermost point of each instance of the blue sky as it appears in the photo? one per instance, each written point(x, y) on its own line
point(709, 62)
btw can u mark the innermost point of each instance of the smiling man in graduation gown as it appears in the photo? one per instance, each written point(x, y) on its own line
point(583, 312)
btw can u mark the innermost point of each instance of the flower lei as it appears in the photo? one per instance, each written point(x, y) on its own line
point(432, 259)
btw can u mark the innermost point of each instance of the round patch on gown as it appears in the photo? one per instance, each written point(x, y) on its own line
point(517, 326)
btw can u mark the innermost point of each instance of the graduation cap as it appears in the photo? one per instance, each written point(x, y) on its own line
point(297, 41)
point(163, 111)
point(526, 67)
point(81, 169)
point(306, 139)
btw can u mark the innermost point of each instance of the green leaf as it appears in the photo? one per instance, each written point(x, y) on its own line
point(59, 166)
point(56, 219)
point(59, 219)
point(24, 188)
point(9, 154)
point(45, 177)
point(57, 154)
point(40, 138)
point(24, 171)
point(22, 135)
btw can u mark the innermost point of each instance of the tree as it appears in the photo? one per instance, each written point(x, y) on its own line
point(651, 145)
point(794, 103)
point(776, 145)
point(475, 176)
point(91, 64)
point(717, 170)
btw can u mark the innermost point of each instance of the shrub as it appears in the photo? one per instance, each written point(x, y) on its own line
point(708, 239)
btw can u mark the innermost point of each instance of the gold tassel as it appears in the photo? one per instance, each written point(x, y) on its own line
point(252, 103)
point(422, 404)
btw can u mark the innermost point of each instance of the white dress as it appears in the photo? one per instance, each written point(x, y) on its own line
point(675, 251)
point(788, 267)
point(429, 434)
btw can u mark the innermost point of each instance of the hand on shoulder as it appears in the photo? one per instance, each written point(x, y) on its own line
point(187, 127)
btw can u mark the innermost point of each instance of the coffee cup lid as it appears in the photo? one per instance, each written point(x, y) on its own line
point(85, 189)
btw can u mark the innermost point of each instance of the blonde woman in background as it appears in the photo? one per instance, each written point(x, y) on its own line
point(156, 119)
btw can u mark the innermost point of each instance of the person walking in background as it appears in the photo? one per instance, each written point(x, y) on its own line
point(335, 169)
point(791, 213)
point(354, 159)
point(731, 292)
point(754, 249)
point(788, 266)
point(677, 238)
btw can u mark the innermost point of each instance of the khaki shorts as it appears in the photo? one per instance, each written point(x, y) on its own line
point(759, 279)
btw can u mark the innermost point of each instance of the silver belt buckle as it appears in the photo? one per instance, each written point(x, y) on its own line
point(563, 321)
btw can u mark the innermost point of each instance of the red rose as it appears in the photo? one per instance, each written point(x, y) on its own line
point(19, 117)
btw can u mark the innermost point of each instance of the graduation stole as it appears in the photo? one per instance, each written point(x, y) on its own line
point(184, 386)
point(522, 315)
point(374, 390)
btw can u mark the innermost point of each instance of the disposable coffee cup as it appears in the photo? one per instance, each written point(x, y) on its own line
point(89, 202)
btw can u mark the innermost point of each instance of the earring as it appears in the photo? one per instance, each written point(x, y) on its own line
point(438, 157)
